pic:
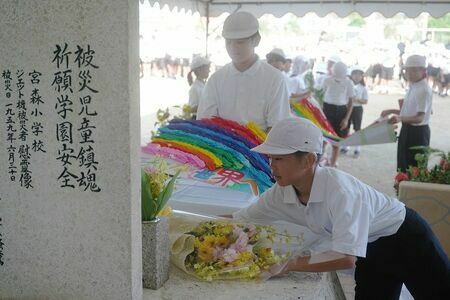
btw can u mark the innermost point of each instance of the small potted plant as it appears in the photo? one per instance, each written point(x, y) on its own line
point(156, 189)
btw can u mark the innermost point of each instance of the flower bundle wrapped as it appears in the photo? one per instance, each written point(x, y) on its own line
point(221, 249)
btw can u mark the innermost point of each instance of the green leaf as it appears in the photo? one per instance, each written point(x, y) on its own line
point(167, 192)
point(148, 204)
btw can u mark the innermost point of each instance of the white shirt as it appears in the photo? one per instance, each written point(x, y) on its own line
point(341, 208)
point(337, 90)
point(296, 85)
point(418, 99)
point(258, 94)
point(360, 92)
point(195, 92)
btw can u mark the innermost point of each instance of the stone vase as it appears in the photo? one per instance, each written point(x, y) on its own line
point(155, 253)
point(432, 202)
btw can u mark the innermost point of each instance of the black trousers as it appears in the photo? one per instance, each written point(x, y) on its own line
point(411, 136)
point(356, 118)
point(335, 114)
point(412, 256)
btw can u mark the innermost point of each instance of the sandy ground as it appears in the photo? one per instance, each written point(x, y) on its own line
point(377, 163)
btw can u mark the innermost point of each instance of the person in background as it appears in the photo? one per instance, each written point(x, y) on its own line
point(297, 84)
point(287, 66)
point(200, 66)
point(330, 63)
point(389, 244)
point(414, 113)
point(361, 97)
point(337, 105)
point(246, 89)
point(277, 59)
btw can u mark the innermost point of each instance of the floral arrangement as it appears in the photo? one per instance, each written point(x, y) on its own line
point(156, 189)
point(439, 173)
point(224, 250)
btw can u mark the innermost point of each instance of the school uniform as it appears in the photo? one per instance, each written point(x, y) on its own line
point(195, 92)
point(393, 244)
point(360, 92)
point(296, 84)
point(337, 94)
point(258, 94)
point(417, 99)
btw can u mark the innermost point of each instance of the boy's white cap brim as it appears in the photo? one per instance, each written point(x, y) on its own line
point(291, 135)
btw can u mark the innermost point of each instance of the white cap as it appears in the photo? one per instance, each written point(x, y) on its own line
point(291, 135)
point(340, 70)
point(279, 52)
point(199, 61)
point(356, 68)
point(240, 25)
point(334, 58)
point(415, 61)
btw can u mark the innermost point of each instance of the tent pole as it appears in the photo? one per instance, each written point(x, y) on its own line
point(207, 29)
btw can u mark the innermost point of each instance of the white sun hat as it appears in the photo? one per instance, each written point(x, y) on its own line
point(240, 25)
point(199, 61)
point(356, 68)
point(291, 135)
point(278, 51)
point(340, 70)
point(415, 61)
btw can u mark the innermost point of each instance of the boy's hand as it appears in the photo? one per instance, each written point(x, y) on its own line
point(344, 124)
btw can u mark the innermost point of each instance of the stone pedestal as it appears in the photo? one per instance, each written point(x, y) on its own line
point(293, 286)
point(70, 222)
point(155, 253)
point(432, 202)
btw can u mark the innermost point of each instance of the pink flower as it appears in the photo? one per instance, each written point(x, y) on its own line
point(251, 230)
point(229, 255)
point(217, 253)
point(241, 243)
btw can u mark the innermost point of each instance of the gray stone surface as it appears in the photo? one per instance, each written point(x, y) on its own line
point(59, 242)
point(155, 253)
point(294, 286)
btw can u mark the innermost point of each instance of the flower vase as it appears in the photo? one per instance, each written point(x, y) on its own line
point(155, 253)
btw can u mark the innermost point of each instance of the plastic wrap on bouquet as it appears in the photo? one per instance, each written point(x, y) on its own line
point(212, 248)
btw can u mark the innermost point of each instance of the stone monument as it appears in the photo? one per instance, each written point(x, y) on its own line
point(70, 222)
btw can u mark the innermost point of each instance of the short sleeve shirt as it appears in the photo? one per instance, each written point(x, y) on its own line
point(360, 93)
point(341, 208)
point(195, 93)
point(418, 99)
point(337, 90)
point(259, 94)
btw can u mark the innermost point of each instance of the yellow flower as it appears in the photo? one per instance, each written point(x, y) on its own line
point(205, 253)
point(222, 241)
point(166, 211)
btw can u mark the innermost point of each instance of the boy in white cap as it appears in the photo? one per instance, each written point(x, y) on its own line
point(246, 89)
point(389, 243)
point(414, 113)
point(200, 67)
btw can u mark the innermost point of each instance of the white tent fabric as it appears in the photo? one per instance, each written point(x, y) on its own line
point(342, 8)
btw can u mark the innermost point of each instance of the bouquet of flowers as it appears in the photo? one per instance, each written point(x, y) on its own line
point(222, 249)
point(439, 173)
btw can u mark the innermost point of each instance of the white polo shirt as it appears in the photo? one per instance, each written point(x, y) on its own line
point(418, 99)
point(195, 92)
point(360, 92)
point(296, 85)
point(341, 208)
point(337, 90)
point(258, 94)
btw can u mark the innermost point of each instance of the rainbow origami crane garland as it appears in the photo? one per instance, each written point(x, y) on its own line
point(213, 144)
point(305, 109)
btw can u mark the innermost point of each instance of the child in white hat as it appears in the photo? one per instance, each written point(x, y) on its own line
point(414, 113)
point(389, 243)
point(338, 105)
point(200, 67)
point(246, 89)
